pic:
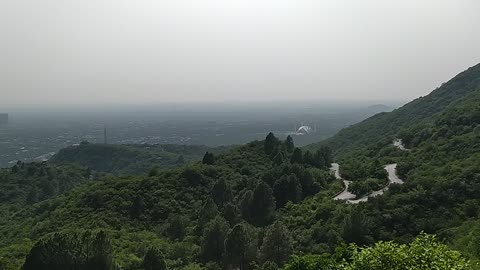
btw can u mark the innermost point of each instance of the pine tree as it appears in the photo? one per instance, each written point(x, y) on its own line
point(208, 212)
point(297, 156)
point(154, 260)
point(263, 205)
point(236, 245)
point(213, 240)
point(277, 245)
point(271, 143)
point(208, 159)
point(221, 192)
point(289, 145)
point(246, 204)
point(287, 189)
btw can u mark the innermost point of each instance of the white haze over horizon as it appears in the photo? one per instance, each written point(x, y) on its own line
point(94, 52)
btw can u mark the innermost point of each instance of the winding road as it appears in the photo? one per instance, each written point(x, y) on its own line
point(349, 197)
point(399, 144)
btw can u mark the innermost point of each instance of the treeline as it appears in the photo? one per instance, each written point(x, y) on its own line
point(131, 159)
point(34, 182)
point(93, 251)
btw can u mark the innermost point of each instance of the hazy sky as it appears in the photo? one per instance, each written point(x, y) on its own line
point(138, 51)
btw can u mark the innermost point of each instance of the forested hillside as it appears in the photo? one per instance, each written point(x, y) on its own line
point(381, 129)
point(131, 159)
point(266, 204)
point(441, 165)
point(185, 212)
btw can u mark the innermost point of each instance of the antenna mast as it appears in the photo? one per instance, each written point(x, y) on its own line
point(105, 135)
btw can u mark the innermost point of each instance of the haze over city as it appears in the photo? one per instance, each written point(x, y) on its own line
point(65, 52)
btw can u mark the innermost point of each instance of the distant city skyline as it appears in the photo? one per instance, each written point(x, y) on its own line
point(66, 52)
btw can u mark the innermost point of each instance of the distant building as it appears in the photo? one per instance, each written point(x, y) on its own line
point(304, 130)
point(3, 119)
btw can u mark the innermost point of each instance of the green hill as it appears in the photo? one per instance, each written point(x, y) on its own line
point(441, 168)
point(175, 209)
point(131, 159)
point(382, 128)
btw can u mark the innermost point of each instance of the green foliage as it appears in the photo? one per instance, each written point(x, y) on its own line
point(271, 144)
point(131, 159)
point(287, 188)
point(221, 192)
point(312, 262)
point(213, 240)
point(186, 212)
point(269, 266)
point(236, 245)
point(71, 251)
point(423, 253)
point(289, 145)
point(297, 156)
point(277, 245)
point(33, 182)
point(262, 205)
point(154, 260)
point(208, 159)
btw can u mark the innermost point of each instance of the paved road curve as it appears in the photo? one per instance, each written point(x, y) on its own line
point(350, 198)
point(393, 178)
point(345, 195)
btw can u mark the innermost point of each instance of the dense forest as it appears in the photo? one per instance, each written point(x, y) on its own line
point(263, 205)
point(131, 159)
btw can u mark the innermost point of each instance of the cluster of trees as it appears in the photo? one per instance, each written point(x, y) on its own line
point(83, 251)
point(244, 246)
point(198, 213)
point(131, 159)
point(33, 182)
point(425, 252)
point(286, 151)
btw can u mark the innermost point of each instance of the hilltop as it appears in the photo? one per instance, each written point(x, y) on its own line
point(131, 159)
point(382, 128)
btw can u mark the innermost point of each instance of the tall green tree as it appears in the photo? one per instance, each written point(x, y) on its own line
point(208, 212)
point(246, 205)
point(154, 260)
point(176, 227)
point(221, 192)
point(287, 188)
point(327, 156)
point(319, 160)
point(236, 245)
point(277, 244)
point(289, 145)
point(213, 240)
point(137, 207)
point(208, 159)
point(231, 213)
point(356, 228)
point(297, 156)
point(263, 205)
point(271, 143)
point(308, 158)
